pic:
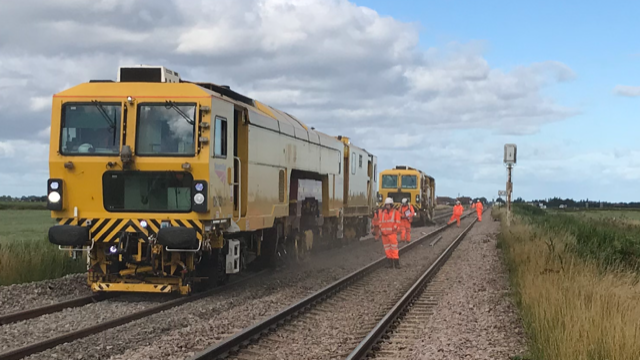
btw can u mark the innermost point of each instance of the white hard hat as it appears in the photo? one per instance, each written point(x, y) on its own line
point(404, 201)
point(458, 202)
point(388, 201)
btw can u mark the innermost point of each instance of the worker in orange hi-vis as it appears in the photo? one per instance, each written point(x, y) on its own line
point(389, 221)
point(375, 225)
point(478, 206)
point(406, 216)
point(457, 212)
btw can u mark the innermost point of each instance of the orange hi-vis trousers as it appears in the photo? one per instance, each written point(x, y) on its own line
point(405, 230)
point(375, 226)
point(405, 223)
point(389, 222)
point(390, 243)
point(478, 207)
point(457, 213)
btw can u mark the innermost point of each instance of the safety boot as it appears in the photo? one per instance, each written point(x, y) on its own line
point(397, 263)
point(389, 263)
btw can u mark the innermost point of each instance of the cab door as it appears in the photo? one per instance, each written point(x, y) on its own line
point(222, 160)
point(240, 162)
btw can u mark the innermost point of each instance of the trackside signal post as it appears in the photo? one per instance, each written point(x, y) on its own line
point(510, 161)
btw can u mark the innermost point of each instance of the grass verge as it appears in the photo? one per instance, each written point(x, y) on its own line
point(573, 306)
point(25, 253)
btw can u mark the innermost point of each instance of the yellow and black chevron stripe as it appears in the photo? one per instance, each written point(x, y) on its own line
point(108, 230)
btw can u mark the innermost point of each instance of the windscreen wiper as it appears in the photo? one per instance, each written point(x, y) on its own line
point(98, 105)
point(171, 104)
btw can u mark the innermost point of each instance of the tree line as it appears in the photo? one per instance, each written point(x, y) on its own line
point(32, 198)
point(555, 202)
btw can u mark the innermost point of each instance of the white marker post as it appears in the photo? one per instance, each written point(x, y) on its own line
point(502, 193)
point(510, 151)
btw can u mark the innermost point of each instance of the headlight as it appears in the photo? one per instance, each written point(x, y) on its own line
point(54, 194)
point(54, 197)
point(143, 223)
point(198, 199)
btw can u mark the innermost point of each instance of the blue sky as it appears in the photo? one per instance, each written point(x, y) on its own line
point(439, 85)
point(597, 40)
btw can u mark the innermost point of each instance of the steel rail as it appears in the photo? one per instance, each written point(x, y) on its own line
point(373, 337)
point(34, 348)
point(255, 331)
point(53, 308)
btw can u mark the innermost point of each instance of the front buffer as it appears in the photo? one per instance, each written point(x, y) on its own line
point(157, 256)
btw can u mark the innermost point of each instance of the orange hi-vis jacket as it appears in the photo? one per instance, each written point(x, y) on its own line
point(389, 221)
point(458, 210)
point(403, 212)
point(375, 223)
point(478, 206)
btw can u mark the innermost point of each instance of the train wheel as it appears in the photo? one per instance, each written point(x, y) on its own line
point(273, 248)
point(212, 266)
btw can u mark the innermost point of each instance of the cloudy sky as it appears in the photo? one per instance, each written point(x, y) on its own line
point(437, 85)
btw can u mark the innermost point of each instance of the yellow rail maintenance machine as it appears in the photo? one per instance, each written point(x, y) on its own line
point(168, 184)
point(412, 184)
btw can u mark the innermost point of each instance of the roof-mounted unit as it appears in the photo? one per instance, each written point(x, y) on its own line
point(147, 73)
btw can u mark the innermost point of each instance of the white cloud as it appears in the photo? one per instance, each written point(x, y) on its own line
point(24, 167)
point(44, 134)
point(342, 68)
point(630, 91)
point(39, 103)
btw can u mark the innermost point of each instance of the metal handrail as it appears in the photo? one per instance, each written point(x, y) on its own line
point(68, 248)
point(239, 188)
point(186, 250)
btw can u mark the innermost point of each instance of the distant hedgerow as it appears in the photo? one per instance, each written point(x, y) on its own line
point(612, 243)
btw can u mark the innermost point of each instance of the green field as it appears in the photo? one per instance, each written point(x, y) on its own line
point(575, 279)
point(626, 216)
point(26, 254)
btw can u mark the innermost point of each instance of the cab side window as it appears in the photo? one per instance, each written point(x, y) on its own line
point(220, 140)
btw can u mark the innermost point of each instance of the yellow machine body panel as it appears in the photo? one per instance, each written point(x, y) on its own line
point(82, 173)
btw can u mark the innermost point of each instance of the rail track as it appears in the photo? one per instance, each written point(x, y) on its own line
point(302, 318)
point(53, 308)
point(393, 335)
point(21, 352)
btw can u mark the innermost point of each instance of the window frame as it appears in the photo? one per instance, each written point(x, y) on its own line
point(353, 163)
point(184, 173)
point(409, 188)
point(79, 103)
point(386, 187)
point(215, 137)
point(196, 121)
point(360, 161)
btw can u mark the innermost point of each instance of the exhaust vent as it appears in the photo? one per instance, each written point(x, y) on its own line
point(147, 73)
